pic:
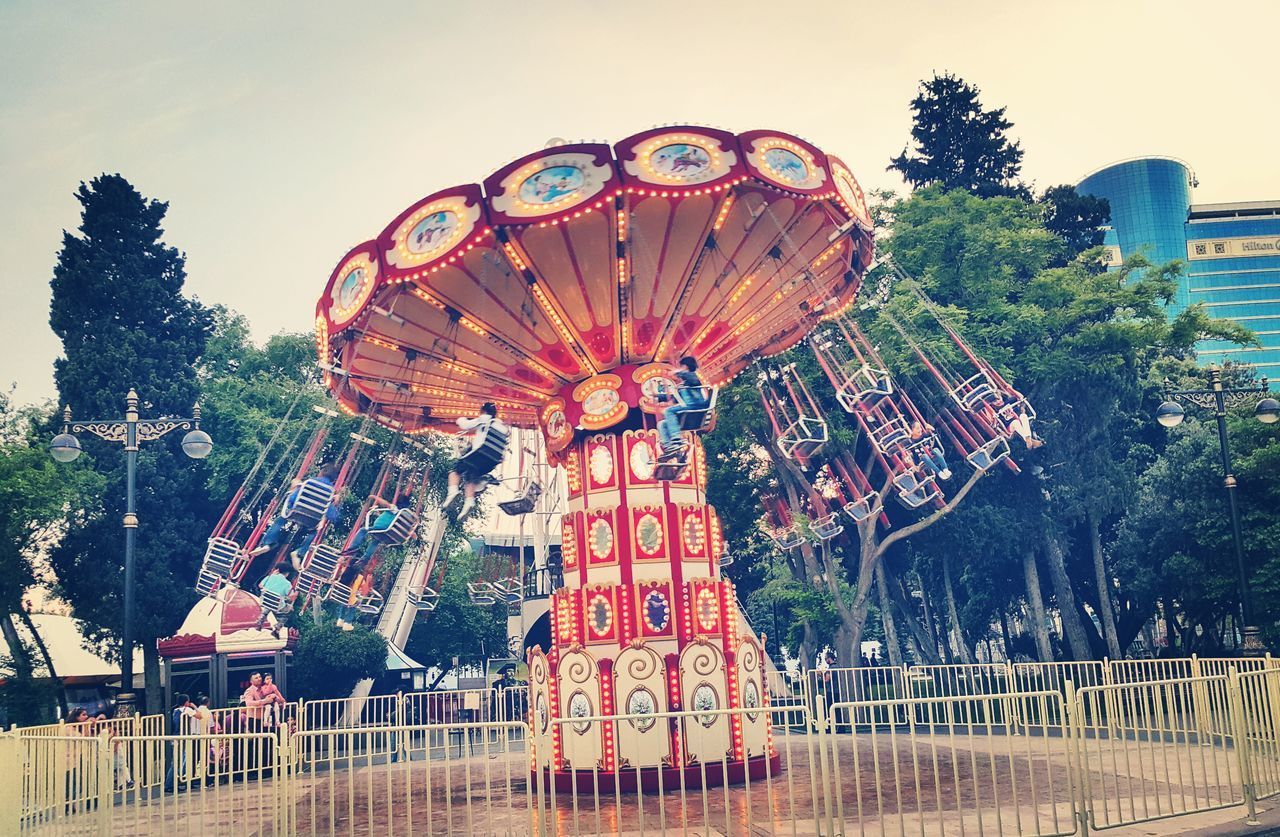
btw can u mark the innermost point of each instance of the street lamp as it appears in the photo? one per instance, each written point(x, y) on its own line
point(130, 432)
point(1218, 398)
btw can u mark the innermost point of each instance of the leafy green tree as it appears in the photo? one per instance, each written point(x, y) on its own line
point(329, 662)
point(118, 308)
point(1075, 218)
point(958, 143)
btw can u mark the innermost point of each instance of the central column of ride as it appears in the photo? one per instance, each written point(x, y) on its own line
point(645, 623)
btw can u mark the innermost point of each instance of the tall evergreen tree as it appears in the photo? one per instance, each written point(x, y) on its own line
point(124, 322)
point(1075, 218)
point(958, 144)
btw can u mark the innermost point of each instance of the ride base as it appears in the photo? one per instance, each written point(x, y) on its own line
point(644, 625)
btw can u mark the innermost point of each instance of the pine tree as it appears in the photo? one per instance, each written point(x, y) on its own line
point(1075, 218)
point(119, 310)
point(958, 145)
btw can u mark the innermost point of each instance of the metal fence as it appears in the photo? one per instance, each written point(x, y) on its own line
point(1048, 750)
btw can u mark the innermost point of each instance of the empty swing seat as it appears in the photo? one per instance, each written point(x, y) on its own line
point(803, 439)
point(914, 492)
point(426, 601)
point(507, 590)
point(726, 558)
point(322, 560)
point(309, 507)
point(309, 584)
point(525, 503)
point(989, 454)
point(788, 537)
point(370, 602)
point(973, 391)
point(488, 454)
point(671, 470)
point(865, 384)
point(889, 434)
point(827, 527)
point(208, 582)
point(221, 555)
point(697, 419)
point(859, 510)
point(399, 531)
point(481, 592)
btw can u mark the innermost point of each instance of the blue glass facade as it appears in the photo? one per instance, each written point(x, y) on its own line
point(1231, 252)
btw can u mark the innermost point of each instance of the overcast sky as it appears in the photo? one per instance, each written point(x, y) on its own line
point(281, 133)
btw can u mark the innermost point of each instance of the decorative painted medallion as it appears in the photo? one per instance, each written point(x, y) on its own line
point(580, 707)
point(601, 538)
point(600, 402)
point(751, 698)
point(642, 460)
point(544, 717)
point(786, 165)
point(850, 192)
point(642, 702)
point(600, 614)
point(601, 464)
point(356, 282)
point(708, 611)
point(705, 699)
point(649, 534)
point(680, 161)
point(695, 534)
point(657, 611)
point(431, 231)
point(552, 185)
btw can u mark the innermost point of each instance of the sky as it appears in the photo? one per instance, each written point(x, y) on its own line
point(282, 134)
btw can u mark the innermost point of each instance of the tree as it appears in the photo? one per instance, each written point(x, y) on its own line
point(124, 322)
point(1075, 218)
point(38, 500)
point(329, 662)
point(958, 144)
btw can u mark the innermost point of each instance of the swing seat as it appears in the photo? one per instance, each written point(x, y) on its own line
point(221, 555)
point(914, 492)
point(207, 583)
point(313, 500)
point(866, 383)
point(426, 601)
point(322, 560)
point(488, 453)
point(859, 510)
point(888, 434)
point(726, 558)
point(803, 439)
point(668, 471)
point(788, 537)
point(525, 503)
point(308, 584)
point(399, 531)
point(973, 391)
point(274, 602)
point(827, 527)
point(370, 602)
point(507, 590)
point(481, 593)
point(697, 419)
point(989, 454)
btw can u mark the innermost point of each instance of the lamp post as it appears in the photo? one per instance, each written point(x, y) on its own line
point(1217, 398)
point(131, 432)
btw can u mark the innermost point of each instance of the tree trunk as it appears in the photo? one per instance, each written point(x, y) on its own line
point(1107, 613)
point(1004, 636)
point(953, 614)
point(48, 659)
point(151, 677)
point(926, 645)
point(1072, 628)
point(930, 625)
point(1035, 607)
point(892, 649)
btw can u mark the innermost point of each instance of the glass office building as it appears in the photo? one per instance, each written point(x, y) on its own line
point(1231, 251)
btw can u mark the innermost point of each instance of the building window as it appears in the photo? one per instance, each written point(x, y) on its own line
point(1219, 248)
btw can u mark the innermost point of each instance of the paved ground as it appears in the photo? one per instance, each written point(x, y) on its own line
point(890, 783)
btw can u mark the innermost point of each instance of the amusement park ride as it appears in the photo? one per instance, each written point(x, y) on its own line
point(561, 289)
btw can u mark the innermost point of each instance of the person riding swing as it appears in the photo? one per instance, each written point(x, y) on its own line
point(488, 444)
point(690, 395)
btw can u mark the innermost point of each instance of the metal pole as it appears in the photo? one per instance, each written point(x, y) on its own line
point(1251, 642)
point(125, 698)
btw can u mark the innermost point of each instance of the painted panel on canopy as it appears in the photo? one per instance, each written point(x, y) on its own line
point(432, 231)
point(786, 162)
point(351, 286)
point(666, 237)
point(849, 193)
point(679, 157)
point(548, 184)
point(485, 287)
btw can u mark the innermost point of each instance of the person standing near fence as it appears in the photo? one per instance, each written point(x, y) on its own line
point(179, 724)
point(273, 710)
point(255, 705)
